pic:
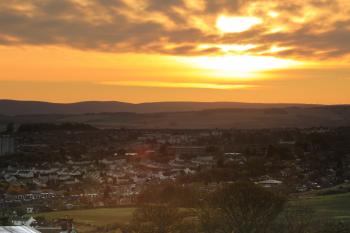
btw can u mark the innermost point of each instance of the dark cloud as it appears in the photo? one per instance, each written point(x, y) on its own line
point(161, 5)
point(304, 43)
point(217, 6)
point(102, 25)
point(167, 7)
point(111, 3)
point(57, 7)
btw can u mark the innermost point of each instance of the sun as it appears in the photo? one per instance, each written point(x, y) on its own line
point(238, 24)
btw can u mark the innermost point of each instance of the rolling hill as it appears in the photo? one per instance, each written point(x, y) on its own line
point(15, 107)
point(277, 117)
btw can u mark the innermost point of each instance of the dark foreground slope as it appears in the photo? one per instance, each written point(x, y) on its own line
point(333, 116)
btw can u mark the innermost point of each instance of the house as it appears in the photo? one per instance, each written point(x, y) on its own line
point(25, 174)
point(10, 178)
point(30, 210)
point(203, 161)
point(269, 183)
point(24, 221)
point(189, 171)
point(187, 150)
point(235, 157)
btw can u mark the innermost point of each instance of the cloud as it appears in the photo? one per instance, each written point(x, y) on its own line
point(179, 85)
point(179, 27)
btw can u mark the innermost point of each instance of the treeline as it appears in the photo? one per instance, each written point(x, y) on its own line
point(37, 127)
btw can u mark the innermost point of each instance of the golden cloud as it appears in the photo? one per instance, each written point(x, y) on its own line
point(296, 29)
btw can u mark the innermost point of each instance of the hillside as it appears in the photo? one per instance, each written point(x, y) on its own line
point(14, 107)
point(333, 116)
point(324, 207)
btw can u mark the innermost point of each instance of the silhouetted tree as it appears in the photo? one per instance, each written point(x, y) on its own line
point(159, 218)
point(334, 227)
point(247, 208)
point(10, 128)
point(296, 219)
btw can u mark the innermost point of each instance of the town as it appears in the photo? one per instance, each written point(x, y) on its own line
point(50, 167)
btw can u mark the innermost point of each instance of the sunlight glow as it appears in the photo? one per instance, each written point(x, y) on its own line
point(240, 66)
point(236, 24)
point(273, 14)
point(178, 85)
point(229, 47)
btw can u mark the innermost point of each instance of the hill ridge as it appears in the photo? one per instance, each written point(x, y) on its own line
point(25, 107)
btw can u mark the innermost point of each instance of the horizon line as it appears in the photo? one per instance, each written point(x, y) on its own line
point(171, 101)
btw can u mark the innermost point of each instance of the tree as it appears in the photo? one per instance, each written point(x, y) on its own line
point(212, 149)
point(10, 128)
point(247, 208)
point(5, 221)
point(107, 192)
point(159, 218)
point(210, 219)
point(334, 227)
point(296, 219)
point(164, 150)
point(255, 166)
point(169, 193)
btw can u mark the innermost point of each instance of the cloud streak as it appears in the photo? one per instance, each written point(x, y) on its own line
point(179, 85)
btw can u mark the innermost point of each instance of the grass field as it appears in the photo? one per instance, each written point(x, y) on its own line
point(330, 206)
point(87, 220)
point(94, 216)
point(326, 206)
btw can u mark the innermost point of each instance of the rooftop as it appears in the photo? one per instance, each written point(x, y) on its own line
point(17, 229)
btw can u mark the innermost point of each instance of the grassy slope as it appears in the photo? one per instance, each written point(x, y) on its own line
point(95, 216)
point(330, 206)
point(87, 220)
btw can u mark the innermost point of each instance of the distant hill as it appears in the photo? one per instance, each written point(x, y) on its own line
point(333, 116)
point(14, 107)
point(281, 117)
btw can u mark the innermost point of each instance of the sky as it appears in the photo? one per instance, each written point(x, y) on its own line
point(176, 50)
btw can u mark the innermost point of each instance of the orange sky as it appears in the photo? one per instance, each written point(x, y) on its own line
point(175, 50)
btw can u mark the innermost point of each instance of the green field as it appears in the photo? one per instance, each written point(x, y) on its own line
point(327, 206)
point(330, 206)
point(94, 216)
point(88, 219)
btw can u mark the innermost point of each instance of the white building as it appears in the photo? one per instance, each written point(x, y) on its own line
point(269, 183)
